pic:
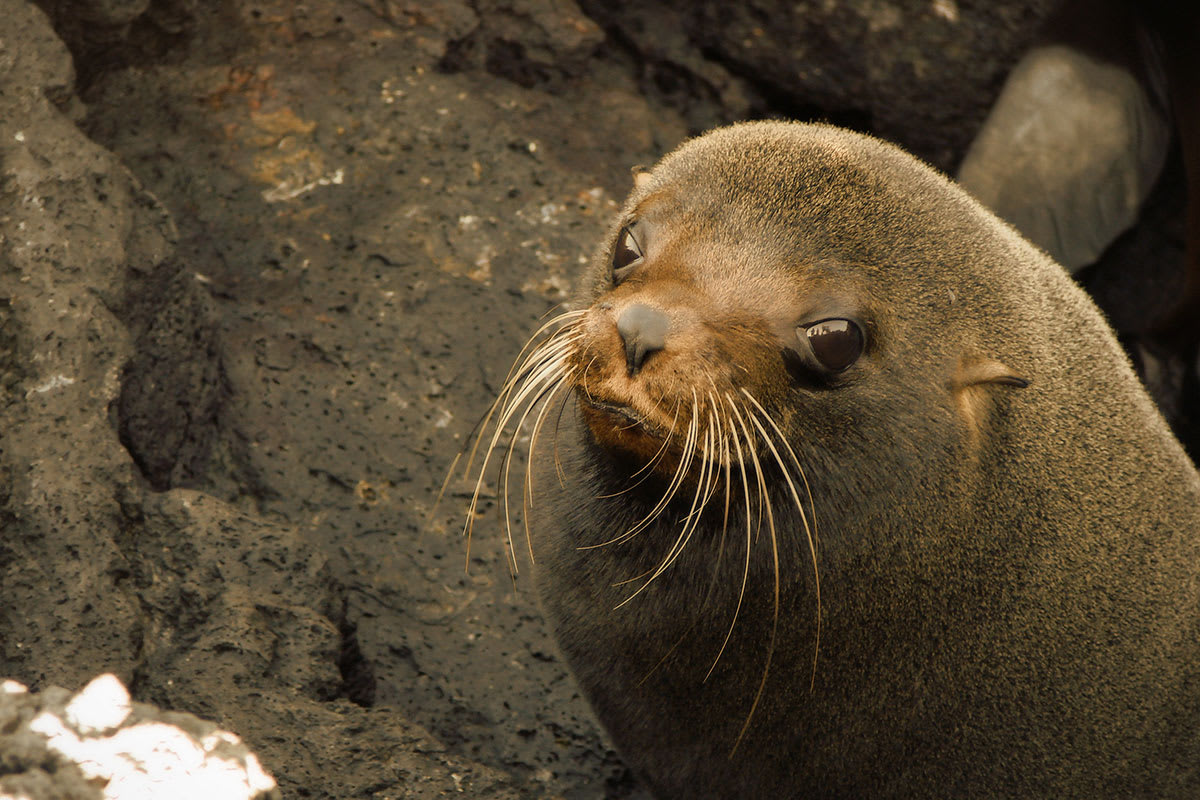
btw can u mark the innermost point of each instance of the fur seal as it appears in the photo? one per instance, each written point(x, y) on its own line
point(840, 487)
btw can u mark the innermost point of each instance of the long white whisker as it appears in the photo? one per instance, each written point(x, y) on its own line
point(746, 566)
point(681, 470)
point(648, 467)
point(765, 498)
point(704, 488)
point(547, 391)
point(795, 460)
point(812, 546)
point(545, 371)
point(527, 494)
point(550, 349)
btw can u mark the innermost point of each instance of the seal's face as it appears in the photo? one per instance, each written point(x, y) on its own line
point(695, 334)
point(779, 277)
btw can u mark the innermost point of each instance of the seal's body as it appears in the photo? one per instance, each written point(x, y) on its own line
point(853, 493)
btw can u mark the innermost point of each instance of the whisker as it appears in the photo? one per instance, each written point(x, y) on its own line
point(558, 468)
point(547, 370)
point(583, 377)
point(548, 349)
point(681, 470)
point(445, 482)
point(527, 494)
point(559, 305)
point(545, 393)
point(722, 439)
point(765, 499)
point(566, 335)
point(704, 486)
point(812, 546)
point(668, 495)
point(560, 320)
point(746, 566)
point(543, 364)
point(795, 460)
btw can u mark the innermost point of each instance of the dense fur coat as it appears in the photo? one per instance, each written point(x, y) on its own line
point(1007, 536)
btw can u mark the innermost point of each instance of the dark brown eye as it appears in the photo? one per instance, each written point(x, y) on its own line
point(836, 343)
point(627, 251)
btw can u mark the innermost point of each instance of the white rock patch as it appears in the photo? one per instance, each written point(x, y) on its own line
point(147, 759)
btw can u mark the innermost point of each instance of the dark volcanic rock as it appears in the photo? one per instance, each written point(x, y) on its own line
point(174, 384)
point(196, 604)
point(918, 72)
point(74, 222)
point(107, 34)
point(530, 42)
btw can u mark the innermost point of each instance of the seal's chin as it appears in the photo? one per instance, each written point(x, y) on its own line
point(617, 426)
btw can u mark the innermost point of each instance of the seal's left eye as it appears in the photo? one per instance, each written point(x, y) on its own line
point(836, 343)
point(627, 251)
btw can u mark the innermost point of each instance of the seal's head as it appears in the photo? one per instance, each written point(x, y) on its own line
point(747, 294)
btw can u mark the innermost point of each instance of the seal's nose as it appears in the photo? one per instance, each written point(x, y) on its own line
point(643, 330)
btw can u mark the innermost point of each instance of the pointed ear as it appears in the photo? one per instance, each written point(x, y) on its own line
point(641, 177)
point(974, 372)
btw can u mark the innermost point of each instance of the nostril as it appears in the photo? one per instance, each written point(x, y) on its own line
point(643, 330)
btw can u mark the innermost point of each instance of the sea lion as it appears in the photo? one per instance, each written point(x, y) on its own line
point(842, 488)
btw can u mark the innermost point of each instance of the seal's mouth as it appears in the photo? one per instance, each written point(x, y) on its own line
point(616, 424)
point(622, 412)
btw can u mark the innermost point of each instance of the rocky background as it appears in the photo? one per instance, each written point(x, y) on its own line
point(263, 265)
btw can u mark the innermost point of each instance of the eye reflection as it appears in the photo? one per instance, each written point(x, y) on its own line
point(627, 251)
point(836, 343)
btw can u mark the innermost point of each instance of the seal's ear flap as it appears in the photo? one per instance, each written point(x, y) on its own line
point(975, 372)
point(972, 386)
point(641, 177)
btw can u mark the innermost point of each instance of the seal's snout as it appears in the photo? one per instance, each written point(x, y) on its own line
point(643, 331)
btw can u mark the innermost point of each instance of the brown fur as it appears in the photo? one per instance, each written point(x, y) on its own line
point(1005, 533)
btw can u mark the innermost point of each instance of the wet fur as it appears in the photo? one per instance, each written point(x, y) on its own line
point(1007, 536)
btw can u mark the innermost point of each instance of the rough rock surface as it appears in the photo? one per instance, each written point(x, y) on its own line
point(262, 267)
point(922, 73)
point(197, 604)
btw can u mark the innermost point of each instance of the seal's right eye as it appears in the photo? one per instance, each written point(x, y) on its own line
point(626, 253)
point(836, 343)
point(823, 350)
